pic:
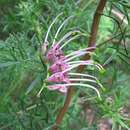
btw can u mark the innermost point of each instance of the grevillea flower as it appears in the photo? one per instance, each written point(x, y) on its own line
point(54, 54)
point(61, 65)
point(58, 66)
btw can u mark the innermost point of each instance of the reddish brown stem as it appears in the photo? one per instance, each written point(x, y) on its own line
point(91, 43)
point(94, 29)
point(95, 24)
point(64, 108)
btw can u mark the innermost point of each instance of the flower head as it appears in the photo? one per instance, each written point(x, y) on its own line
point(54, 54)
point(58, 66)
point(61, 65)
point(58, 77)
point(60, 88)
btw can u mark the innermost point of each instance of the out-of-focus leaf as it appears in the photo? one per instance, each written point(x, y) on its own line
point(32, 85)
point(7, 64)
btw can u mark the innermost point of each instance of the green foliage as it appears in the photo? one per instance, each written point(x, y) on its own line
point(25, 101)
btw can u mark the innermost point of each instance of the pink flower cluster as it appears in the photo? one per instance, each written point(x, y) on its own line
point(61, 65)
point(57, 58)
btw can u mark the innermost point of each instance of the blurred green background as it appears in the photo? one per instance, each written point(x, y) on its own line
point(23, 25)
